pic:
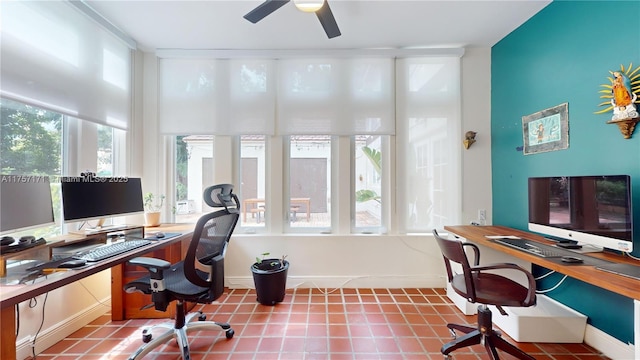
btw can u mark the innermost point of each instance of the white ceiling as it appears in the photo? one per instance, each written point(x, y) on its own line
point(219, 24)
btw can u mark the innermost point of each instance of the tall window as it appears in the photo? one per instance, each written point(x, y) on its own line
point(193, 172)
point(105, 151)
point(428, 122)
point(309, 201)
point(252, 181)
point(368, 183)
point(62, 74)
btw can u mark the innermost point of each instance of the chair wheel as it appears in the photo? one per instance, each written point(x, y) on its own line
point(146, 338)
point(202, 317)
point(229, 333)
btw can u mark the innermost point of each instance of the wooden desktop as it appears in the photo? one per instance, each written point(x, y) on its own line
point(616, 283)
point(124, 306)
point(589, 274)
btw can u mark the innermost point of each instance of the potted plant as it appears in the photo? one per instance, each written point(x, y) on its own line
point(270, 279)
point(152, 206)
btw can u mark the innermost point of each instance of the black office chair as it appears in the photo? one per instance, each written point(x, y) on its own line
point(478, 285)
point(198, 278)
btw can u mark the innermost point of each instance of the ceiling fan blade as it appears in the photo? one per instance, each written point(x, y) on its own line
point(264, 9)
point(328, 21)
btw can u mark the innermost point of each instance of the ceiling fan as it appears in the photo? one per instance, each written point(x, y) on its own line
point(320, 7)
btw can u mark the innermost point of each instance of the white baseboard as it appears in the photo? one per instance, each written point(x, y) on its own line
point(607, 344)
point(57, 332)
point(334, 282)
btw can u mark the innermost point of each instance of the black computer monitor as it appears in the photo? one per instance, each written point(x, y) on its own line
point(89, 198)
point(25, 203)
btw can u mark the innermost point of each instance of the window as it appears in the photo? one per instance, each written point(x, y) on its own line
point(342, 145)
point(193, 173)
point(36, 141)
point(105, 151)
point(78, 75)
point(31, 144)
point(428, 123)
point(368, 183)
point(253, 178)
point(309, 200)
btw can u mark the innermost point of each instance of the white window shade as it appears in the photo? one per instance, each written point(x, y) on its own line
point(56, 57)
point(428, 102)
point(219, 97)
point(336, 96)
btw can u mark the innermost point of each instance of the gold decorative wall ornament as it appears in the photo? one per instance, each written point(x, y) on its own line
point(622, 97)
point(469, 139)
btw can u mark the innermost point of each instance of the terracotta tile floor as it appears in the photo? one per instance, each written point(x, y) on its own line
point(354, 324)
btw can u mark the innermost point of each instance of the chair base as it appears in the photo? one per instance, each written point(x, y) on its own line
point(179, 331)
point(482, 334)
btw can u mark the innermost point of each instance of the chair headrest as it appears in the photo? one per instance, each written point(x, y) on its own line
point(221, 195)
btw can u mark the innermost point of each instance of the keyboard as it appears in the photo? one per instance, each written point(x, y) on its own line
point(537, 249)
point(109, 250)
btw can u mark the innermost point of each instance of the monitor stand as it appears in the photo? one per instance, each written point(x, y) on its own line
point(587, 248)
point(575, 246)
point(98, 228)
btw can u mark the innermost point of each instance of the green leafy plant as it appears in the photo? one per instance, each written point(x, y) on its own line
point(273, 264)
point(153, 203)
point(375, 157)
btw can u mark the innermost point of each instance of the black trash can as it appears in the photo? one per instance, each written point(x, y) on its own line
point(270, 279)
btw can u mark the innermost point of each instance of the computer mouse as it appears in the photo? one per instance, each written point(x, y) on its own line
point(72, 264)
point(571, 259)
point(27, 239)
point(159, 235)
point(6, 240)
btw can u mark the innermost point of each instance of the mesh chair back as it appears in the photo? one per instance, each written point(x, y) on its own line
point(204, 262)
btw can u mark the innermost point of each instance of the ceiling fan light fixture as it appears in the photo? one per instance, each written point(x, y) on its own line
point(309, 5)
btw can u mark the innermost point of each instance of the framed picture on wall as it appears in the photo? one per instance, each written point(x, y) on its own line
point(546, 130)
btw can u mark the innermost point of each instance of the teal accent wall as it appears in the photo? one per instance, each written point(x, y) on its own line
point(562, 55)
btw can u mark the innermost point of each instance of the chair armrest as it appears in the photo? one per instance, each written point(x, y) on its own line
point(148, 262)
point(531, 294)
point(153, 265)
point(156, 287)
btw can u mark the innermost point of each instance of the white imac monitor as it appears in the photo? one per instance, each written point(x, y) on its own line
point(593, 211)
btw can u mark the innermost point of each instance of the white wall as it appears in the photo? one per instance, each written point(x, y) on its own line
point(66, 310)
point(335, 261)
point(476, 116)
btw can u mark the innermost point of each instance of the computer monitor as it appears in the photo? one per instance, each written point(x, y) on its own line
point(590, 210)
point(25, 203)
point(90, 198)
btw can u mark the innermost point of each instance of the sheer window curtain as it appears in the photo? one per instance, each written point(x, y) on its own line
point(428, 121)
point(276, 97)
point(336, 97)
point(217, 97)
point(56, 57)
